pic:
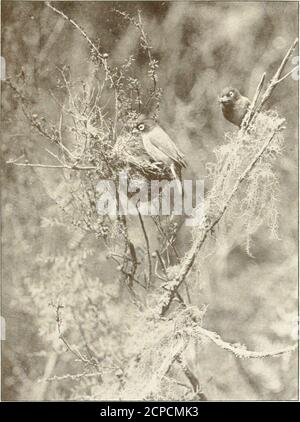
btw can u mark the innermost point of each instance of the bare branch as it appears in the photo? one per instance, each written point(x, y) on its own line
point(276, 78)
point(240, 351)
point(162, 264)
point(54, 166)
point(255, 108)
point(74, 351)
point(101, 57)
point(147, 246)
point(71, 377)
point(192, 378)
point(287, 75)
point(82, 32)
point(250, 112)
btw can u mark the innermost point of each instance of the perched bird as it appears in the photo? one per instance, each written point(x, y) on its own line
point(234, 105)
point(160, 147)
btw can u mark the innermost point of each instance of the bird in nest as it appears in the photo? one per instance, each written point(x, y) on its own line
point(234, 105)
point(160, 147)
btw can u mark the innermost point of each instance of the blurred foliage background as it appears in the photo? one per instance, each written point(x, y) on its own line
point(201, 47)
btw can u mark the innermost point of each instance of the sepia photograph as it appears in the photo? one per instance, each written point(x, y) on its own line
point(149, 203)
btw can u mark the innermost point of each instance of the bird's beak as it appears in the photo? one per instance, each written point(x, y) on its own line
point(223, 99)
point(134, 130)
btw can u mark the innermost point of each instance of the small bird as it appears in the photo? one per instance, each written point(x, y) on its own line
point(160, 147)
point(234, 105)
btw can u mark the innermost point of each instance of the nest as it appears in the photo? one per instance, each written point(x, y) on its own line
point(149, 170)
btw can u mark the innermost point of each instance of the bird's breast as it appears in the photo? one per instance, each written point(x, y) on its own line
point(235, 113)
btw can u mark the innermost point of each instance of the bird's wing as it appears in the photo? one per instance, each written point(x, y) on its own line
point(161, 140)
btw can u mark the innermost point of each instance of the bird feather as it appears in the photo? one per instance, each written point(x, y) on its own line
point(161, 140)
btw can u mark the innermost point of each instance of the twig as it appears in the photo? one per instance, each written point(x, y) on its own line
point(146, 46)
point(83, 33)
point(102, 57)
point(64, 340)
point(36, 124)
point(276, 78)
point(287, 75)
point(133, 258)
point(174, 381)
point(147, 246)
point(241, 351)
point(168, 241)
point(164, 367)
point(40, 392)
point(166, 280)
point(162, 264)
point(71, 377)
point(250, 112)
point(54, 156)
point(54, 166)
point(255, 108)
point(192, 378)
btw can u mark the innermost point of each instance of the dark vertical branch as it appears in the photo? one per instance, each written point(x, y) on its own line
point(147, 246)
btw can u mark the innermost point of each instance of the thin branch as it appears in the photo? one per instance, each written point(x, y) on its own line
point(147, 246)
point(75, 352)
point(133, 258)
point(147, 47)
point(169, 242)
point(83, 33)
point(166, 280)
point(162, 264)
point(70, 377)
point(287, 75)
point(250, 112)
point(176, 382)
point(101, 57)
point(129, 275)
point(164, 367)
point(285, 60)
point(255, 108)
point(54, 156)
point(192, 378)
point(276, 78)
point(54, 166)
point(37, 124)
point(241, 351)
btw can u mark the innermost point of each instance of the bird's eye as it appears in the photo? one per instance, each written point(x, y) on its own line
point(231, 94)
point(141, 127)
